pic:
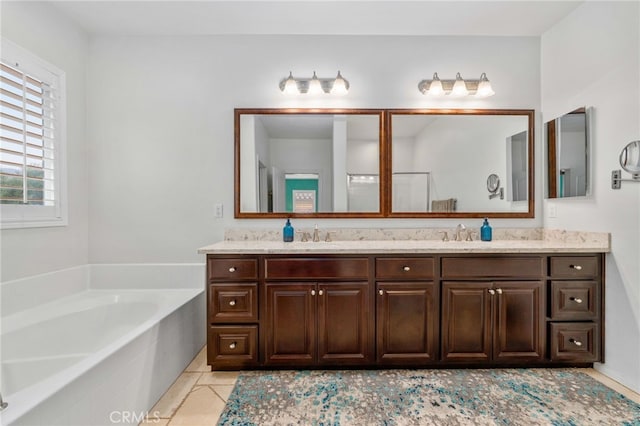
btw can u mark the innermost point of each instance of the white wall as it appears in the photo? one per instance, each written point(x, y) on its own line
point(57, 40)
point(161, 121)
point(591, 58)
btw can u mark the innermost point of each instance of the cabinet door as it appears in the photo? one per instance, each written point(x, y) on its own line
point(290, 324)
point(345, 323)
point(466, 321)
point(519, 310)
point(407, 322)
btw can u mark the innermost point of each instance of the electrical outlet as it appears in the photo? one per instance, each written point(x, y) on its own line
point(218, 211)
point(552, 211)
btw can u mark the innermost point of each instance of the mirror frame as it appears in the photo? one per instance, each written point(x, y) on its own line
point(529, 113)
point(345, 111)
point(385, 163)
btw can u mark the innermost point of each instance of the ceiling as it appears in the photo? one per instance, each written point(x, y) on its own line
point(317, 17)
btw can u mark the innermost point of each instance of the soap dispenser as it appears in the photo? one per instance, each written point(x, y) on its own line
point(485, 230)
point(287, 232)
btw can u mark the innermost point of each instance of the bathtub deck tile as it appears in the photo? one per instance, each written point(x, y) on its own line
point(199, 363)
point(219, 378)
point(201, 407)
point(173, 397)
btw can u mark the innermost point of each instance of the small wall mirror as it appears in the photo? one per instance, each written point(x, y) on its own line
point(493, 183)
point(568, 155)
point(630, 158)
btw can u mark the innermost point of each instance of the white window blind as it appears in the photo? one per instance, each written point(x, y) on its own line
point(31, 140)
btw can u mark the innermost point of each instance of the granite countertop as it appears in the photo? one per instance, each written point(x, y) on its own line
point(524, 240)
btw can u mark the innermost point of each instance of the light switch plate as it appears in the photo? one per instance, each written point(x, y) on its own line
point(552, 210)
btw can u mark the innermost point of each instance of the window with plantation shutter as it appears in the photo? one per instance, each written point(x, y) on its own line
point(31, 140)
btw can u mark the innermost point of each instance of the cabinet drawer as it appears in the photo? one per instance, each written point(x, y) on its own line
point(232, 346)
point(404, 268)
point(574, 266)
point(233, 303)
point(574, 300)
point(474, 267)
point(575, 341)
point(232, 268)
point(300, 268)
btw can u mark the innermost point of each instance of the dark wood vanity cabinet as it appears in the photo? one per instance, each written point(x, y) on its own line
point(331, 310)
point(492, 321)
point(407, 319)
point(493, 309)
point(575, 308)
point(324, 323)
point(318, 311)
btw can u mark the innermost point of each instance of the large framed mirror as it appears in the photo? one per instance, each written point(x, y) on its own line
point(442, 161)
point(568, 144)
point(308, 163)
point(373, 163)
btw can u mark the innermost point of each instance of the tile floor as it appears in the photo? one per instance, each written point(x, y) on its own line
point(198, 395)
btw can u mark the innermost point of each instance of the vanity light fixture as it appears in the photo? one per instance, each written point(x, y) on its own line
point(314, 85)
point(458, 87)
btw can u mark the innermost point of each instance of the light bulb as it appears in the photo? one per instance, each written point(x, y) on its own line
point(459, 88)
point(315, 88)
point(290, 86)
point(435, 88)
point(484, 87)
point(340, 86)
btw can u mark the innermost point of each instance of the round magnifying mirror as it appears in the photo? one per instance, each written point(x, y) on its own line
point(630, 157)
point(493, 183)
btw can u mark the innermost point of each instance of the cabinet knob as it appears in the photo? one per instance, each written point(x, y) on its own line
point(313, 292)
point(499, 291)
point(575, 299)
point(406, 268)
point(492, 291)
point(381, 292)
point(232, 303)
point(232, 345)
point(320, 292)
point(575, 342)
point(232, 269)
point(576, 267)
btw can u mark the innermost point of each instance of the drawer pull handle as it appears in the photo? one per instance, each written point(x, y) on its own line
point(313, 292)
point(381, 292)
point(576, 267)
point(492, 291)
point(232, 303)
point(232, 345)
point(575, 299)
point(499, 291)
point(406, 268)
point(232, 269)
point(575, 342)
point(320, 292)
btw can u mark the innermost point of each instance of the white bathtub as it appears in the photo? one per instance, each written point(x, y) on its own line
point(98, 356)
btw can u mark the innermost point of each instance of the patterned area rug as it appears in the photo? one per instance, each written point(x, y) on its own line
point(426, 397)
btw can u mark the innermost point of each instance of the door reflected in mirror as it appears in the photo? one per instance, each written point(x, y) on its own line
point(441, 160)
point(568, 155)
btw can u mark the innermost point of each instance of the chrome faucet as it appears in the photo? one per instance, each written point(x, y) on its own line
point(316, 234)
point(459, 229)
